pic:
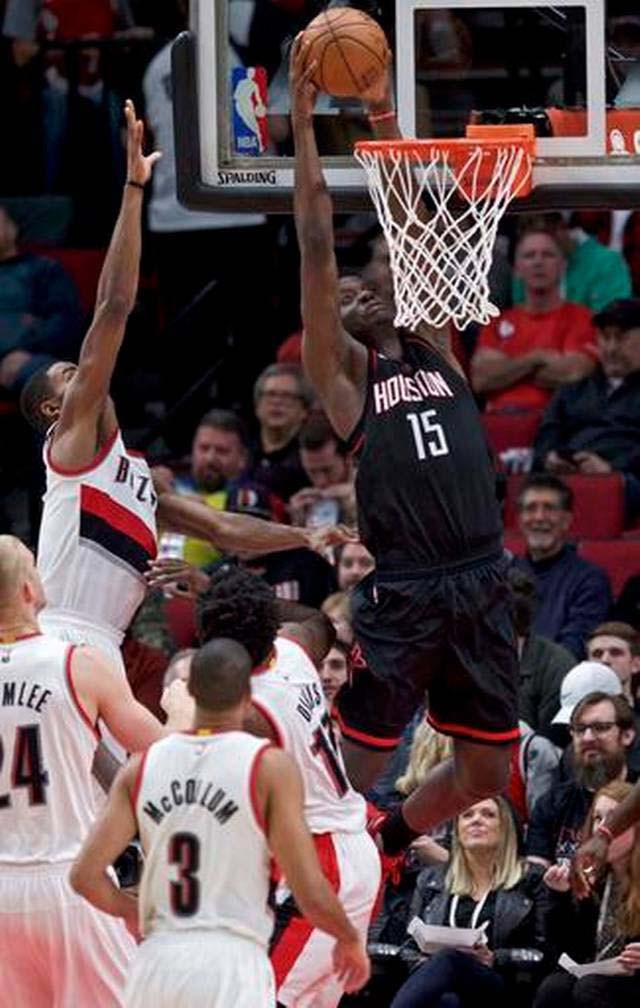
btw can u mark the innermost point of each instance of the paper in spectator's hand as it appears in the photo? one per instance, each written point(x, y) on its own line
point(606, 967)
point(432, 937)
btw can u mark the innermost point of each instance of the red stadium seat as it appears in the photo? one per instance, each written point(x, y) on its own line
point(598, 507)
point(620, 558)
point(181, 619)
point(83, 266)
point(511, 429)
point(514, 543)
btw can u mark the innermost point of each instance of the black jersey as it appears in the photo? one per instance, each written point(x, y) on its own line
point(425, 484)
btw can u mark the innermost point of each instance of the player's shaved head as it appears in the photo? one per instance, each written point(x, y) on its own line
point(14, 568)
point(220, 675)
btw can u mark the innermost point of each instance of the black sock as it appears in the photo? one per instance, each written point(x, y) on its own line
point(395, 833)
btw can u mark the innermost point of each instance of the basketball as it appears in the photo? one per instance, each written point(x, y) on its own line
point(350, 49)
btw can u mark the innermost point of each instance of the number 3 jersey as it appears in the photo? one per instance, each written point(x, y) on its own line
point(288, 693)
point(206, 855)
point(46, 754)
point(425, 484)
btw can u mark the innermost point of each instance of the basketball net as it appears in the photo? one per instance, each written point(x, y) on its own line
point(439, 204)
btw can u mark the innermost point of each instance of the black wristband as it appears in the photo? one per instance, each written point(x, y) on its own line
point(136, 185)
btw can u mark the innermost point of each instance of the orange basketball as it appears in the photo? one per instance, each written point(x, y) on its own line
point(350, 50)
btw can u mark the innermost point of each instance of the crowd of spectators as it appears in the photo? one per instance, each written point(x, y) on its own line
point(213, 390)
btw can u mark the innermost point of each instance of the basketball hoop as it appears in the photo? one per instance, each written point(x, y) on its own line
point(439, 203)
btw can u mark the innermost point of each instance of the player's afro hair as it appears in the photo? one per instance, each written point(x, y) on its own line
point(241, 606)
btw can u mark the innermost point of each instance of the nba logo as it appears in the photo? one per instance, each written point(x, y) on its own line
point(249, 98)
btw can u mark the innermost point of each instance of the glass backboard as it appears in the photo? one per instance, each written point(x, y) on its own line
point(570, 68)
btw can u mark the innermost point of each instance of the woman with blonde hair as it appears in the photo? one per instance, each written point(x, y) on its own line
point(603, 927)
point(487, 885)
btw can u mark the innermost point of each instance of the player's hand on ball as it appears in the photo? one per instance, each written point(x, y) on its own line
point(379, 97)
point(303, 90)
point(351, 964)
point(139, 165)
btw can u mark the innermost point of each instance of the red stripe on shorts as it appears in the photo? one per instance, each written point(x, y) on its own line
point(295, 936)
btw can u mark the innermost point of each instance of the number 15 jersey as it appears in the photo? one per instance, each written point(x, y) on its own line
point(425, 484)
point(288, 693)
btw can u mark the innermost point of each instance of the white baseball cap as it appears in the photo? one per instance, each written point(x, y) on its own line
point(584, 678)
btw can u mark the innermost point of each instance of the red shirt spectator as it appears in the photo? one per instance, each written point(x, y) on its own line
point(563, 330)
point(531, 350)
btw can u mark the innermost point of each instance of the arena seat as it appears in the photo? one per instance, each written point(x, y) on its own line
point(598, 508)
point(514, 543)
point(619, 557)
point(181, 620)
point(511, 429)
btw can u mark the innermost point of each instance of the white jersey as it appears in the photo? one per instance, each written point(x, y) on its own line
point(97, 535)
point(206, 854)
point(288, 693)
point(46, 792)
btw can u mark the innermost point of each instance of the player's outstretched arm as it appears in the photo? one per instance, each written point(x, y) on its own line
point(334, 362)
point(280, 794)
point(114, 828)
point(87, 417)
point(237, 532)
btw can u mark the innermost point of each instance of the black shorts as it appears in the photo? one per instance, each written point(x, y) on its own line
point(449, 632)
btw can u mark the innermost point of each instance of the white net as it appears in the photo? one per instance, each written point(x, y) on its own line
point(440, 258)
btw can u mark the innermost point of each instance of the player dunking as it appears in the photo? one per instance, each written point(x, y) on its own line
point(210, 806)
point(288, 707)
point(436, 612)
point(54, 949)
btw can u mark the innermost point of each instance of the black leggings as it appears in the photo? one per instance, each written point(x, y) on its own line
point(451, 978)
point(562, 990)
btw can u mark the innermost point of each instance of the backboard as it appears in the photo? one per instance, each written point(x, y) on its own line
point(572, 68)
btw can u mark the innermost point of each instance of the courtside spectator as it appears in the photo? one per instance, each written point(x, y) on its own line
point(282, 400)
point(354, 563)
point(334, 670)
point(593, 426)
point(573, 595)
point(329, 496)
point(337, 607)
point(602, 730)
point(604, 926)
point(543, 663)
point(617, 645)
point(485, 884)
point(594, 276)
point(219, 458)
point(534, 348)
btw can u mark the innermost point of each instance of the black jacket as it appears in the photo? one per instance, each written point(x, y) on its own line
point(520, 913)
point(586, 416)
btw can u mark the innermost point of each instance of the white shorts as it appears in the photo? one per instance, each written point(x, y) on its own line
point(302, 955)
point(56, 950)
point(200, 969)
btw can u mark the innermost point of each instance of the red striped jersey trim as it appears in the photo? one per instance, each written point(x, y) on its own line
point(253, 786)
point(99, 504)
point(474, 734)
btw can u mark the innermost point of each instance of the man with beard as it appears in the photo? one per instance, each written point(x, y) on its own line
point(602, 730)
